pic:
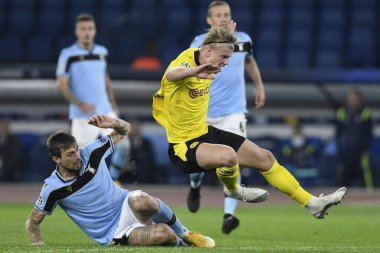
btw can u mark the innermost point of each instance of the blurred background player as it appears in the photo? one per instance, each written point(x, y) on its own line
point(228, 104)
point(11, 154)
point(354, 136)
point(301, 155)
point(83, 80)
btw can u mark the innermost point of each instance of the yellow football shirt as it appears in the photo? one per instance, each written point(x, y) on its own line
point(181, 106)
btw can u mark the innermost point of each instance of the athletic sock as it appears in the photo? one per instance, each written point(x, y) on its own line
point(231, 203)
point(280, 178)
point(166, 215)
point(196, 179)
point(229, 177)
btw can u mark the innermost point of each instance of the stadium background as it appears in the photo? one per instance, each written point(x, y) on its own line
point(301, 46)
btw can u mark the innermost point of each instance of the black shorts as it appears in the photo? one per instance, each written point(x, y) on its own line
point(214, 136)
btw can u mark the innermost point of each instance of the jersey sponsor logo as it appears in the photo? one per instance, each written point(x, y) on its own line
point(185, 64)
point(193, 93)
point(194, 144)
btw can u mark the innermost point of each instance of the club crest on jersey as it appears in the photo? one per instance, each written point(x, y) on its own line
point(103, 139)
point(185, 64)
point(92, 170)
point(39, 201)
point(193, 93)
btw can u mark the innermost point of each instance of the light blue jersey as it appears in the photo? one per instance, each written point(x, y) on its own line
point(87, 70)
point(92, 201)
point(227, 93)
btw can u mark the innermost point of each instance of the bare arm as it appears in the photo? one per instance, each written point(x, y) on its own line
point(121, 127)
point(204, 71)
point(64, 89)
point(33, 227)
point(254, 72)
point(111, 95)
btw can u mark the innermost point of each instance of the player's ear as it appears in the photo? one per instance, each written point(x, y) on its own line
point(56, 159)
point(208, 20)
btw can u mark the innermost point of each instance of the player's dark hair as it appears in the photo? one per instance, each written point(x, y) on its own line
point(215, 3)
point(85, 17)
point(60, 141)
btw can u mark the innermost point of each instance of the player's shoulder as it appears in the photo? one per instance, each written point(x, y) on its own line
point(100, 49)
point(70, 50)
point(52, 183)
point(242, 36)
point(187, 55)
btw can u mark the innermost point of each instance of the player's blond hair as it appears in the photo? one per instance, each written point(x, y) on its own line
point(218, 35)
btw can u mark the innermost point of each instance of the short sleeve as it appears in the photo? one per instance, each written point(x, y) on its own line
point(43, 203)
point(62, 69)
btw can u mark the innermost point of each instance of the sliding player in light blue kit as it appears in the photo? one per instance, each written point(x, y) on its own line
point(82, 186)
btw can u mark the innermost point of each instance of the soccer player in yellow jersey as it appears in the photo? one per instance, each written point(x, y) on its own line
point(181, 107)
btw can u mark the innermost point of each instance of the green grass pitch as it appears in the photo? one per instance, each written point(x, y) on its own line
point(264, 228)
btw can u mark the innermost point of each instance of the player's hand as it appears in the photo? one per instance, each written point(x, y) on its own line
point(232, 26)
point(102, 121)
point(87, 108)
point(206, 71)
point(260, 98)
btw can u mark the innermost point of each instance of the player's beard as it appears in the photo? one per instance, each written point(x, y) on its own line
point(72, 171)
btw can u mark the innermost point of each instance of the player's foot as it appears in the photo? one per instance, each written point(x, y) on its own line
point(118, 183)
point(325, 202)
point(193, 199)
point(230, 222)
point(198, 240)
point(252, 195)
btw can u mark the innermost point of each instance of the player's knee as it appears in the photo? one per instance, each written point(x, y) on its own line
point(164, 235)
point(266, 159)
point(228, 157)
point(143, 203)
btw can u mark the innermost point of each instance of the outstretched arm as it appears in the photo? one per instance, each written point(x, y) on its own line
point(205, 71)
point(33, 227)
point(121, 128)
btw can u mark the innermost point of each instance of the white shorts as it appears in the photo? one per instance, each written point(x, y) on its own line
point(235, 123)
point(85, 133)
point(128, 221)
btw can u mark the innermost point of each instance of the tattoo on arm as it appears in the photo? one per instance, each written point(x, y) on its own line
point(33, 226)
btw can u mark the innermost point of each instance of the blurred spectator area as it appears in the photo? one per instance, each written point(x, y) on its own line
point(286, 33)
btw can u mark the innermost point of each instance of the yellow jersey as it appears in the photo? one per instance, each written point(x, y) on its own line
point(181, 106)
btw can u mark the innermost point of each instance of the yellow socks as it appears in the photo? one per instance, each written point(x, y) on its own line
point(280, 178)
point(229, 177)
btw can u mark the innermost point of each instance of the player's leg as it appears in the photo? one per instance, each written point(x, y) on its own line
point(194, 195)
point(153, 235)
point(147, 208)
point(83, 132)
point(279, 177)
point(224, 158)
point(235, 123)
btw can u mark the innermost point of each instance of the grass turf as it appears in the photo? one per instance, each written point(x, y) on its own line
point(263, 228)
